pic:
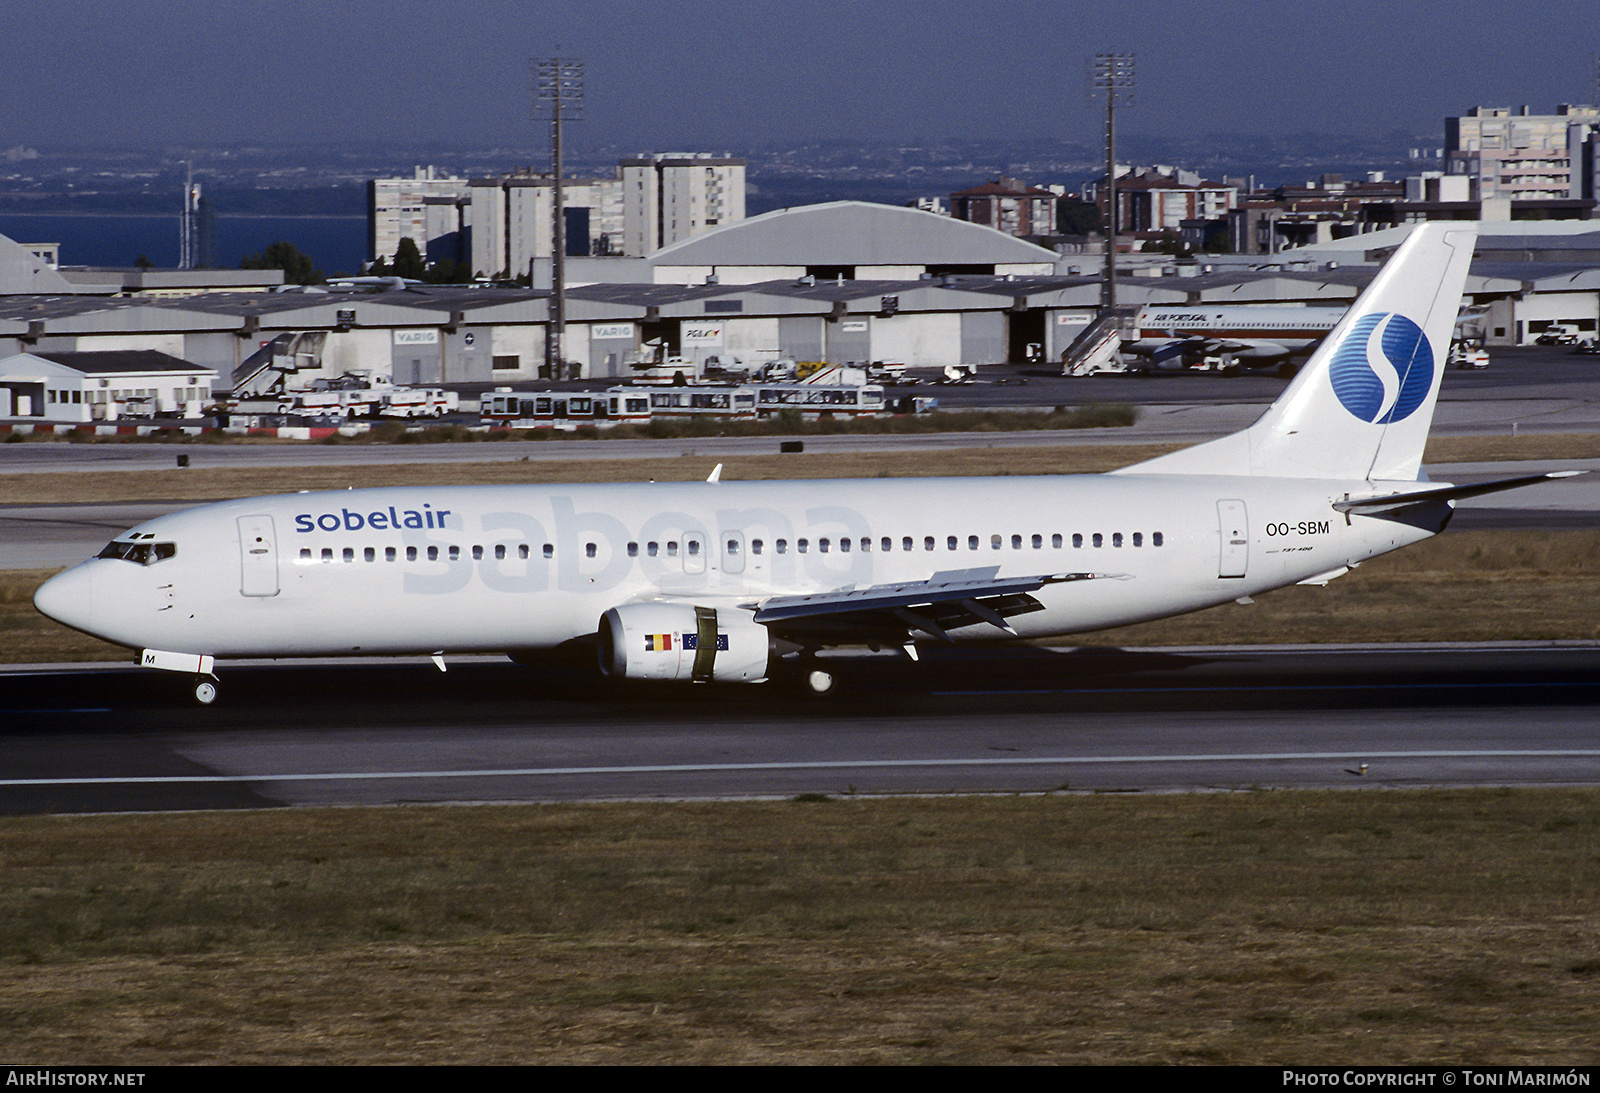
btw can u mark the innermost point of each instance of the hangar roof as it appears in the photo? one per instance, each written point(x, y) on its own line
point(850, 233)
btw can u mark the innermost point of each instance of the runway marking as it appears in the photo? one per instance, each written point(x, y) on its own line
point(1252, 689)
point(831, 764)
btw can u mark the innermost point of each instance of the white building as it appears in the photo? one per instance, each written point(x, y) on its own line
point(513, 220)
point(106, 386)
point(671, 197)
point(1522, 156)
point(429, 208)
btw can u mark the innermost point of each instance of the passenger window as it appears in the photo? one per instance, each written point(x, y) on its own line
point(590, 550)
point(1038, 541)
point(633, 550)
point(499, 551)
point(411, 553)
point(994, 542)
point(927, 542)
point(349, 554)
point(477, 554)
point(672, 549)
point(433, 554)
point(327, 554)
point(455, 554)
point(370, 554)
point(733, 546)
point(305, 554)
point(652, 549)
point(756, 546)
point(1077, 540)
point(905, 544)
point(1099, 540)
point(801, 545)
point(972, 542)
point(549, 550)
point(1138, 538)
point(950, 543)
point(1155, 538)
point(1055, 540)
point(522, 551)
point(692, 548)
point(1116, 538)
point(389, 554)
point(783, 546)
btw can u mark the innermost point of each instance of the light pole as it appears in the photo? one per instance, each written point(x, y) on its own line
point(1111, 77)
point(557, 94)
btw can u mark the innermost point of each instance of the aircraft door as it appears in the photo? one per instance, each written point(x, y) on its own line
point(1234, 527)
point(258, 556)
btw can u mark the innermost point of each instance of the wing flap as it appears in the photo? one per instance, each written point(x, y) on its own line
point(946, 601)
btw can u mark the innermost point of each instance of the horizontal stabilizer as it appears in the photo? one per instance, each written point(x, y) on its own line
point(1395, 501)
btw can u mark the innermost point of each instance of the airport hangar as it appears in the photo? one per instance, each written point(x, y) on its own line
point(847, 281)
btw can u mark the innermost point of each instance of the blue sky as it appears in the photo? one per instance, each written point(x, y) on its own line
point(669, 73)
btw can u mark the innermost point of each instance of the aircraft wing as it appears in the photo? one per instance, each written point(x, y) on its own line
point(890, 612)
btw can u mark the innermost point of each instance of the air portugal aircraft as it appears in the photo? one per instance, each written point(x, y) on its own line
point(727, 581)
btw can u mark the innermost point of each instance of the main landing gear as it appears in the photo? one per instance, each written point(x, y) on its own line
point(205, 690)
point(817, 680)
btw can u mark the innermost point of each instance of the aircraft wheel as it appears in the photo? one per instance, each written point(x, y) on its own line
point(205, 691)
point(818, 681)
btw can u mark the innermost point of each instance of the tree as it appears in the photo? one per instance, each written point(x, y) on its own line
point(297, 267)
point(408, 261)
point(1075, 217)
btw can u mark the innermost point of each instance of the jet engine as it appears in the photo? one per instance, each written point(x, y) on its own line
point(677, 641)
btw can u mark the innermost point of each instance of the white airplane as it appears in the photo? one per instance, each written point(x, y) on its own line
point(1253, 336)
point(721, 581)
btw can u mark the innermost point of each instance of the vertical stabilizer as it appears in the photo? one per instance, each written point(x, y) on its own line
point(1362, 405)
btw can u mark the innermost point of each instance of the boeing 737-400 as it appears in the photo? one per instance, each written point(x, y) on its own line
point(722, 581)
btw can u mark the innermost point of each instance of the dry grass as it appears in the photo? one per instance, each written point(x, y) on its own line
point(217, 484)
point(1335, 928)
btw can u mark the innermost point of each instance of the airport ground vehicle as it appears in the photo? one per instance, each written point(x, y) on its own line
point(639, 405)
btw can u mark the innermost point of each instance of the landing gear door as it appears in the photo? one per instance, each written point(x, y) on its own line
point(1235, 530)
point(258, 556)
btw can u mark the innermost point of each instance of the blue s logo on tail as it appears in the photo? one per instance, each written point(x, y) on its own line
point(1383, 369)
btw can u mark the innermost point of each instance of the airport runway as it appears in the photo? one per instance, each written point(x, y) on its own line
point(980, 719)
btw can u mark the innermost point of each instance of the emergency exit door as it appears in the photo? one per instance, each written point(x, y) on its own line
point(258, 556)
point(1234, 526)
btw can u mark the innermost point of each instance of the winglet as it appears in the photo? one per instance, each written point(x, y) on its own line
point(716, 474)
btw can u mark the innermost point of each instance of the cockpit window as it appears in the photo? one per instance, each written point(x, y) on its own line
point(140, 553)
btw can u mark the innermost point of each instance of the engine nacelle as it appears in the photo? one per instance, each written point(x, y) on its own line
point(677, 641)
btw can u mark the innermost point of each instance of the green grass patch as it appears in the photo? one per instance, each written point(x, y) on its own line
point(1379, 927)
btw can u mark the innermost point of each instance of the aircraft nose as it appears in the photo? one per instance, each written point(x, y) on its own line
point(68, 597)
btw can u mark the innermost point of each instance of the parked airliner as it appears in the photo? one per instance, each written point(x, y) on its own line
point(722, 581)
point(1253, 336)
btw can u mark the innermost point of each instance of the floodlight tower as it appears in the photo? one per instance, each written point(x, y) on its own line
point(1111, 78)
point(557, 95)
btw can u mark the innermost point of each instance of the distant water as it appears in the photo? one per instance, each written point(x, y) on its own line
point(336, 244)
